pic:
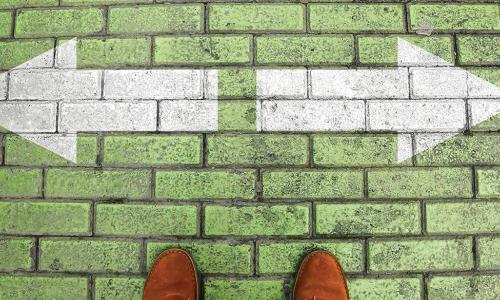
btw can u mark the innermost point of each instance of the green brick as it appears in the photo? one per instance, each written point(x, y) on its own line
point(463, 150)
point(355, 150)
point(266, 17)
point(368, 219)
point(119, 288)
point(152, 150)
point(285, 257)
point(463, 217)
point(475, 287)
point(44, 218)
point(211, 257)
point(146, 220)
point(92, 2)
point(257, 149)
point(89, 256)
point(16, 254)
point(169, 18)
point(408, 288)
point(488, 182)
point(491, 74)
point(363, 17)
point(43, 287)
point(225, 289)
point(98, 183)
point(27, 3)
point(237, 115)
point(454, 17)
point(17, 52)
point(251, 221)
point(237, 83)
point(305, 50)
point(420, 255)
point(19, 151)
point(17, 182)
point(383, 50)
point(59, 22)
point(489, 252)
point(420, 183)
point(202, 50)
point(122, 52)
point(481, 50)
point(5, 23)
point(200, 184)
point(288, 184)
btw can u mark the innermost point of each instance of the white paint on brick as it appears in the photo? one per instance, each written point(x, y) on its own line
point(28, 116)
point(81, 116)
point(193, 115)
point(211, 84)
point(281, 83)
point(424, 141)
point(417, 115)
point(438, 83)
point(3, 86)
point(412, 56)
point(64, 145)
point(54, 84)
point(405, 147)
point(480, 88)
point(153, 84)
point(44, 60)
point(312, 115)
point(66, 55)
point(360, 84)
point(483, 109)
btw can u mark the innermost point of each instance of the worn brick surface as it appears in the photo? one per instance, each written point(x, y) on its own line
point(17, 52)
point(464, 287)
point(119, 287)
point(385, 288)
point(43, 287)
point(20, 182)
point(17, 254)
point(488, 182)
point(489, 252)
point(246, 289)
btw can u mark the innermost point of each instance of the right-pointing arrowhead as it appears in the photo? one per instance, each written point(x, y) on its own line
point(64, 145)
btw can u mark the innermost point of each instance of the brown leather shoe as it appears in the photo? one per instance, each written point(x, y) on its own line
point(320, 277)
point(172, 277)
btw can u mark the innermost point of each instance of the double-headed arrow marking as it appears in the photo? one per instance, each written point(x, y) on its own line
point(48, 102)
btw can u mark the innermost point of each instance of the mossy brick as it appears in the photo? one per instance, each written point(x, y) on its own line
point(285, 257)
point(304, 50)
point(20, 182)
point(5, 23)
point(368, 219)
point(488, 249)
point(119, 287)
point(98, 183)
point(479, 49)
point(237, 115)
point(261, 220)
point(356, 17)
point(170, 18)
point(59, 22)
point(146, 220)
point(488, 182)
point(237, 83)
point(93, 256)
point(454, 17)
point(27, 3)
point(463, 150)
point(257, 149)
point(43, 287)
point(113, 52)
point(210, 257)
point(452, 182)
point(491, 74)
point(201, 184)
point(422, 255)
point(17, 52)
point(152, 149)
point(202, 50)
point(19, 151)
point(262, 289)
point(463, 217)
point(383, 49)
point(406, 288)
point(16, 254)
point(355, 150)
point(467, 287)
point(312, 184)
point(261, 17)
point(44, 218)
point(97, 2)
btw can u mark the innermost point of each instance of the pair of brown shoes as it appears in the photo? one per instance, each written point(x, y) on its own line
point(173, 277)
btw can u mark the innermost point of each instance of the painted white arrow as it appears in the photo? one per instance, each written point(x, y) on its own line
point(48, 102)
